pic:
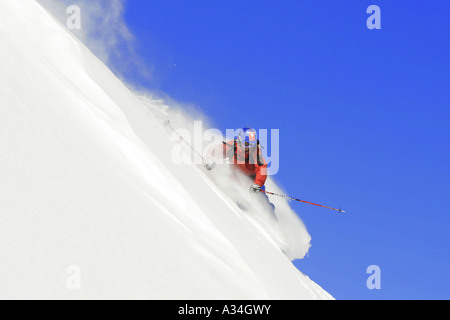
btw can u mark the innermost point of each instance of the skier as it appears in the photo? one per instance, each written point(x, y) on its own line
point(244, 152)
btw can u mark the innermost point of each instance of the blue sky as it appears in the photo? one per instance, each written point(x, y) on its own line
point(363, 118)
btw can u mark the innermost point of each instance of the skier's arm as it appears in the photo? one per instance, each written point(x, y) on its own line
point(261, 173)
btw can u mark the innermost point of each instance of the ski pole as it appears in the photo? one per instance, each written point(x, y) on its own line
point(167, 123)
point(290, 198)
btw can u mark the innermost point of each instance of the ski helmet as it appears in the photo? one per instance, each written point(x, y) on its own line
point(247, 137)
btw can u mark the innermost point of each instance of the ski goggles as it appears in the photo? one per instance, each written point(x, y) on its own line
point(250, 139)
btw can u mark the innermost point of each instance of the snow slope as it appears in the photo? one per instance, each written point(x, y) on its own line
point(87, 182)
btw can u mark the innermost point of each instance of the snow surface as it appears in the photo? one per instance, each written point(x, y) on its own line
point(87, 181)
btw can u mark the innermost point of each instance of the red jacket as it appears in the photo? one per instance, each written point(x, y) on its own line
point(252, 163)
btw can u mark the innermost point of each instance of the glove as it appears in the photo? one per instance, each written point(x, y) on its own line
point(209, 165)
point(256, 188)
